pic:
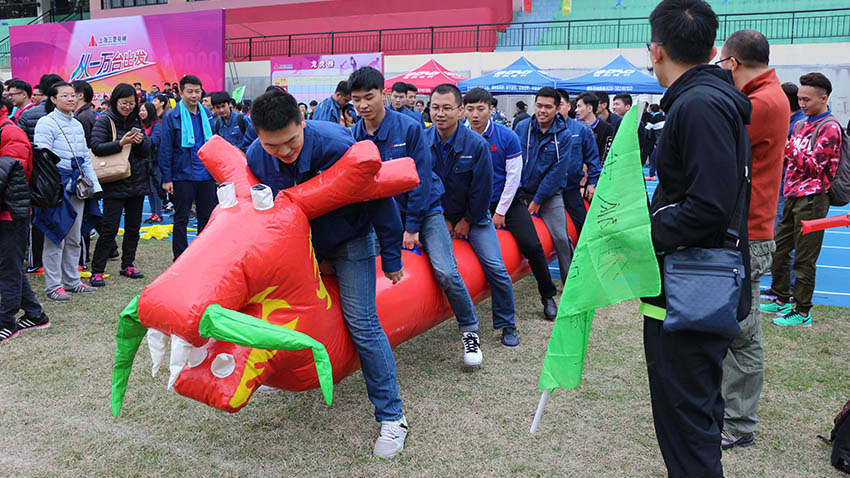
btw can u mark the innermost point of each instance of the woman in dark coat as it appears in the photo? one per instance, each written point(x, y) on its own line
point(125, 195)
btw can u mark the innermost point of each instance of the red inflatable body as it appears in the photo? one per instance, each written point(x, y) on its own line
point(262, 263)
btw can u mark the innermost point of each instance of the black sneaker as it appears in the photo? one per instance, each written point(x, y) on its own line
point(7, 333)
point(728, 440)
point(29, 323)
point(510, 337)
point(550, 310)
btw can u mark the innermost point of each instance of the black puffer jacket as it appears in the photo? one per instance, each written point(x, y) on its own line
point(103, 144)
point(14, 191)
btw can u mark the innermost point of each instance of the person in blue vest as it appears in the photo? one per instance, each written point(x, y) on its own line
point(399, 101)
point(184, 130)
point(583, 152)
point(330, 109)
point(462, 161)
point(397, 136)
point(544, 139)
point(509, 212)
point(289, 151)
point(230, 125)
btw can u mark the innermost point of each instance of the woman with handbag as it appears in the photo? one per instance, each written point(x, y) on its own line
point(120, 131)
point(59, 132)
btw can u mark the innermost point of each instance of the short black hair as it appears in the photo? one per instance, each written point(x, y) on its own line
point(137, 83)
point(817, 80)
point(219, 97)
point(748, 47)
point(162, 98)
point(21, 85)
point(521, 105)
point(412, 87)
point(603, 98)
point(46, 81)
point(655, 108)
point(167, 83)
point(565, 97)
point(366, 78)
point(314, 103)
point(82, 86)
point(548, 92)
point(399, 87)
point(273, 88)
point(420, 102)
point(190, 80)
point(343, 87)
point(477, 95)
point(275, 110)
point(686, 29)
point(590, 99)
point(790, 90)
point(448, 88)
point(625, 98)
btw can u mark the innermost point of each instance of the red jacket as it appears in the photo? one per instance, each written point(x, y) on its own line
point(768, 130)
point(14, 144)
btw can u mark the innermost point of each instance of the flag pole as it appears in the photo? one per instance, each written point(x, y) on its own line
point(539, 413)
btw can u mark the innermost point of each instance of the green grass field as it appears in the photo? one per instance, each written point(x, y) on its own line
point(55, 417)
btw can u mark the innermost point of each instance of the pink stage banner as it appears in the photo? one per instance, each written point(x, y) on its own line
point(315, 77)
point(150, 49)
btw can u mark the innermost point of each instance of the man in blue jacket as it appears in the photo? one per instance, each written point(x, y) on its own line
point(330, 109)
point(398, 136)
point(231, 125)
point(184, 130)
point(462, 161)
point(509, 212)
point(545, 141)
point(583, 151)
point(399, 101)
point(289, 151)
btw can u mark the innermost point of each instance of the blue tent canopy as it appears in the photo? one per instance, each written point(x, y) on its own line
point(619, 76)
point(520, 77)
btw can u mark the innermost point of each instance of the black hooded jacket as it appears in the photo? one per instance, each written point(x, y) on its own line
point(102, 144)
point(703, 160)
point(14, 191)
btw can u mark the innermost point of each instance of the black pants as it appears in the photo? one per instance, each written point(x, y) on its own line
point(518, 222)
point(15, 290)
point(685, 372)
point(203, 194)
point(112, 209)
point(574, 204)
point(36, 246)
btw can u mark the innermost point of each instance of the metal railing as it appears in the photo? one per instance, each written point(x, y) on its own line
point(18, 10)
point(778, 27)
point(50, 16)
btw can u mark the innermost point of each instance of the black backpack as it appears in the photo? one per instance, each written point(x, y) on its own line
point(45, 180)
point(839, 438)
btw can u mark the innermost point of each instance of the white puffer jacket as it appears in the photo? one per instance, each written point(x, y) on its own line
point(48, 135)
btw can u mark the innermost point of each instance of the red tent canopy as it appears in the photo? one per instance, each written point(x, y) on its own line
point(426, 77)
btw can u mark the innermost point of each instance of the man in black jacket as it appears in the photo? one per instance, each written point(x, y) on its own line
point(85, 108)
point(703, 159)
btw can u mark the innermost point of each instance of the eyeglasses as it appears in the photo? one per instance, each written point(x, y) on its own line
point(650, 43)
point(126, 104)
point(723, 60)
point(15, 93)
point(444, 109)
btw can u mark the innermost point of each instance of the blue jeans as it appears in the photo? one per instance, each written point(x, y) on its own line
point(485, 243)
point(355, 268)
point(437, 242)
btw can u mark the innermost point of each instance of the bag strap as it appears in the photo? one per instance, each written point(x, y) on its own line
point(241, 120)
point(737, 216)
point(79, 166)
point(114, 132)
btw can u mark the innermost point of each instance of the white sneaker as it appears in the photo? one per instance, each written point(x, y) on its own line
point(391, 440)
point(472, 355)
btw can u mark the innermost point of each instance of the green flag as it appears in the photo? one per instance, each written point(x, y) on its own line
point(237, 93)
point(614, 260)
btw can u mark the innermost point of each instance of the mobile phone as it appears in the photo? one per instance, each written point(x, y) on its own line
point(135, 130)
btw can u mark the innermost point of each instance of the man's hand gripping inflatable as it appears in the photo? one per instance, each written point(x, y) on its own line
point(249, 288)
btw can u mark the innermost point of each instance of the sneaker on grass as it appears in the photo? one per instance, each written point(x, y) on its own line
point(794, 319)
point(472, 355)
point(8, 333)
point(390, 442)
point(509, 337)
point(728, 440)
point(773, 307)
point(83, 288)
point(29, 323)
point(97, 280)
point(132, 273)
point(58, 294)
